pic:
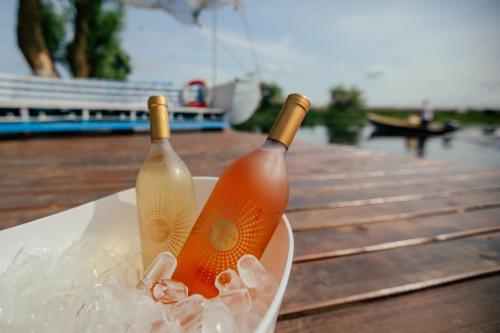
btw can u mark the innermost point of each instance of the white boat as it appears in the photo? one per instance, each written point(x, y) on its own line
point(30, 104)
point(240, 97)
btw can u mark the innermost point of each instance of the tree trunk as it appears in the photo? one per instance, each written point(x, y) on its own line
point(31, 40)
point(78, 50)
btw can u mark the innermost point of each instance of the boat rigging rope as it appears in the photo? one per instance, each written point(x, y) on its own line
point(214, 44)
point(236, 60)
point(249, 38)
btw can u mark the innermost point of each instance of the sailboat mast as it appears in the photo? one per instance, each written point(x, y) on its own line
point(214, 45)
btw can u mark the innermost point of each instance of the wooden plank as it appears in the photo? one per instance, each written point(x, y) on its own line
point(470, 306)
point(332, 180)
point(358, 197)
point(127, 169)
point(314, 283)
point(379, 196)
point(360, 183)
point(35, 174)
point(343, 241)
point(359, 215)
point(387, 167)
point(388, 292)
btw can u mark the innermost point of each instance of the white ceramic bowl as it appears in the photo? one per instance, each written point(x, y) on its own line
point(115, 217)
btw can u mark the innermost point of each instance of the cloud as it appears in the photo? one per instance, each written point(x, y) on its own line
point(490, 85)
point(274, 67)
point(280, 50)
point(376, 72)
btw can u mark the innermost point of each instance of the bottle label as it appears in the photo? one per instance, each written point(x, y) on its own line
point(159, 230)
point(164, 225)
point(224, 235)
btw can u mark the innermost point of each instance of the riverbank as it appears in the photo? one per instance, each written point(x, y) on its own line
point(475, 144)
point(263, 118)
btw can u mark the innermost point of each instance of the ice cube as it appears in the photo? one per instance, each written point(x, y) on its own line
point(151, 319)
point(6, 302)
point(101, 327)
point(255, 277)
point(259, 308)
point(248, 322)
point(162, 267)
point(168, 291)
point(188, 312)
point(19, 271)
point(237, 300)
point(94, 323)
point(115, 303)
point(91, 288)
point(266, 290)
point(218, 319)
point(227, 281)
point(251, 270)
point(66, 312)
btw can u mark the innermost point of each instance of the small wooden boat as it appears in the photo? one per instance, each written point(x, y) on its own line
point(389, 124)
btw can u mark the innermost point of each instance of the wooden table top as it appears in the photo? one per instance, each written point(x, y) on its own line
point(383, 243)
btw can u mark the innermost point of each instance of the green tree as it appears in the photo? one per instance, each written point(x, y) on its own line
point(345, 115)
point(343, 99)
point(96, 50)
point(54, 31)
point(93, 51)
point(107, 58)
point(272, 94)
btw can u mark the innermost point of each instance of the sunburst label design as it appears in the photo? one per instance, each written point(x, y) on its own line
point(158, 230)
point(224, 235)
point(167, 225)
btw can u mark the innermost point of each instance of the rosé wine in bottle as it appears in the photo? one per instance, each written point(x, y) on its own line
point(244, 208)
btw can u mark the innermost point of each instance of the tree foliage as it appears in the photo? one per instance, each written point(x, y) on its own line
point(96, 50)
point(105, 54)
point(345, 114)
point(54, 31)
point(83, 36)
point(344, 99)
point(272, 94)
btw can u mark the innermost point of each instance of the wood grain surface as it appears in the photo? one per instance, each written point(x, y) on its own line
point(383, 243)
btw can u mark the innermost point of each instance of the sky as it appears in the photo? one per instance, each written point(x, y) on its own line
point(397, 52)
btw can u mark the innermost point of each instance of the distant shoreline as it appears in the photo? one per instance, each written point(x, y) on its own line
point(263, 118)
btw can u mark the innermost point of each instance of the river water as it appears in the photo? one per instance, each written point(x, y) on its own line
point(472, 145)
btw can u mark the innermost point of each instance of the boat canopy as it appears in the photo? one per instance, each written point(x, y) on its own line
point(186, 11)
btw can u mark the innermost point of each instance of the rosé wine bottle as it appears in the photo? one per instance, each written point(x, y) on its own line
point(244, 208)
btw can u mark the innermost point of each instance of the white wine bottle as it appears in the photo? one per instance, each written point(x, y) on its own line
point(165, 191)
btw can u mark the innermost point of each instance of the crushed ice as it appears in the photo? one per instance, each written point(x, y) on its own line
point(87, 288)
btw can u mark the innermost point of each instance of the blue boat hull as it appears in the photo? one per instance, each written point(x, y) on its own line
point(103, 126)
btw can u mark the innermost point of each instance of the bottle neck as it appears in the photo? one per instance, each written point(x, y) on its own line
point(160, 141)
point(160, 145)
point(287, 123)
point(158, 122)
point(274, 145)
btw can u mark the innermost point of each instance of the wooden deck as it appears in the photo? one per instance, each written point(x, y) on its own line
point(383, 243)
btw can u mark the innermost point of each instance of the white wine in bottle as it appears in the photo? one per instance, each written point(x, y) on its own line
point(165, 191)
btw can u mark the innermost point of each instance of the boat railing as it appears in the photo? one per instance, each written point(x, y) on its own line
point(28, 99)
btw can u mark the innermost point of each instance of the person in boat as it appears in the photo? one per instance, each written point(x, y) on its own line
point(426, 114)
